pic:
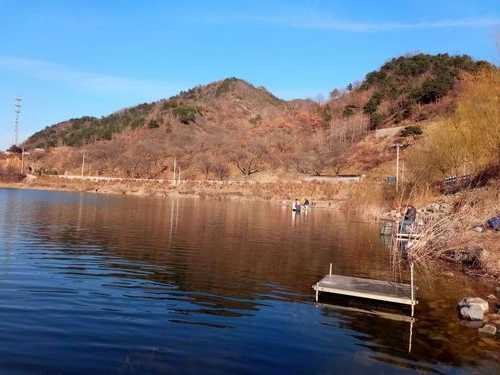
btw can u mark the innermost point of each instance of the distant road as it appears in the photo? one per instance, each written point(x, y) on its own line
point(330, 179)
point(105, 178)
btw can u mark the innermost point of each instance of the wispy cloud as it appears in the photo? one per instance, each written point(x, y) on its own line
point(325, 22)
point(95, 82)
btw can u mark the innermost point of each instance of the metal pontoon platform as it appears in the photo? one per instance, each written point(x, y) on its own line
point(368, 288)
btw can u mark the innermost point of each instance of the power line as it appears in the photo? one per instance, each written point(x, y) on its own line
point(18, 111)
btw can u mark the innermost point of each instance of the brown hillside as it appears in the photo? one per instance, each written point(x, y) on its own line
point(231, 128)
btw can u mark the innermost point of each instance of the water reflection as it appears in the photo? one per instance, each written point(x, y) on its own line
point(200, 282)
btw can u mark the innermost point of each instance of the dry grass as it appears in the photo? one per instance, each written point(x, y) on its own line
point(10, 169)
point(367, 199)
point(450, 235)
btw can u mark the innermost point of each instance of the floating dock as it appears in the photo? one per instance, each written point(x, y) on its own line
point(407, 236)
point(390, 228)
point(368, 288)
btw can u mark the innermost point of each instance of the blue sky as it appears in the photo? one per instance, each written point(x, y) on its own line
point(73, 58)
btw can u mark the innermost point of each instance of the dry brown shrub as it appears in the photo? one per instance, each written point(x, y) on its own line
point(467, 142)
point(451, 236)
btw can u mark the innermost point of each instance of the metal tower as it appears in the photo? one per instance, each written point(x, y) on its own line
point(18, 111)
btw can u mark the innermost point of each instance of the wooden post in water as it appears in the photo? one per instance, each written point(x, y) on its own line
point(411, 335)
point(330, 269)
point(412, 290)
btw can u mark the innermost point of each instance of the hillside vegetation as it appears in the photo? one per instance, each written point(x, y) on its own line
point(467, 142)
point(231, 128)
point(407, 88)
point(197, 106)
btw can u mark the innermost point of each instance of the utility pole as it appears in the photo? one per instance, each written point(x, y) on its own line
point(16, 124)
point(22, 161)
point(175, 175)
point(402, 172)
point(397, 166)
point(83, 163)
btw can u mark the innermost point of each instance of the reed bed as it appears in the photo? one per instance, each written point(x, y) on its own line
point(450, 236)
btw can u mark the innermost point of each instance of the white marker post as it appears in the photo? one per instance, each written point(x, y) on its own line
point(83, 163)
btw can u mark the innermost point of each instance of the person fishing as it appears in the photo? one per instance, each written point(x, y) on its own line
point(408, 219)
point(296, 205)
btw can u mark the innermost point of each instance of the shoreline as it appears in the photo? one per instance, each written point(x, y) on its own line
point(227, 190)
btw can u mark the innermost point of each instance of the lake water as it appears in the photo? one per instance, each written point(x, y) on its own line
point(104, 284)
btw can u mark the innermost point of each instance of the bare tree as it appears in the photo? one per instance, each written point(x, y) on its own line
point(347, 131)
point(249, 159)
point(335, 94)
point(205, 165)
point(221, 170)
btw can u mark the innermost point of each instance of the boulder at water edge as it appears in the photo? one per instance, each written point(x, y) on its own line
point(473, 308)
point(489, 329)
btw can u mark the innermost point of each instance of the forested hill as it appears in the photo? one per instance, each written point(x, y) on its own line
point(407, 88)
point(231, 126)
point(231, 100)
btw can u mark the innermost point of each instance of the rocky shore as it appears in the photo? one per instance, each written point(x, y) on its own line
point(481, 314)
point(453, 229)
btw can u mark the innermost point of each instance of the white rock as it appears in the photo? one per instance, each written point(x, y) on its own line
point(473, 312)
point(469, 301)
point(489, 329)
point(473, 308)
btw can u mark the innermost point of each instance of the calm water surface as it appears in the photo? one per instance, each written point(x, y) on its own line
point(102, 284)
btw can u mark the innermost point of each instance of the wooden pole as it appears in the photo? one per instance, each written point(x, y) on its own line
point(175, 175)
point(397, 166)
point(411, 334)
point(83, 163)
point(330, 269)
point(402, 172)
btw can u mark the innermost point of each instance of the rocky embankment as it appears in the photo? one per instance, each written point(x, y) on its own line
point(454, 229)
point(481, 314)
